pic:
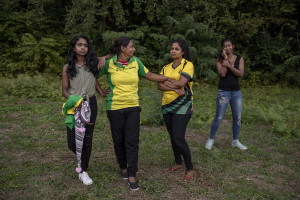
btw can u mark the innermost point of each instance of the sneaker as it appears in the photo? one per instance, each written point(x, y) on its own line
point(236, 143)
point(124, 175)
point(134, 186)
point(85, 179)
point(209, 143)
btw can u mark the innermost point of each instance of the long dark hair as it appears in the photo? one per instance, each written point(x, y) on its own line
point(91, 59)
point(115, 48)
point(220, 56)
point(185, 48)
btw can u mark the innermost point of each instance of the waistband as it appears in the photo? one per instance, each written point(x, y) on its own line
point(87, 97)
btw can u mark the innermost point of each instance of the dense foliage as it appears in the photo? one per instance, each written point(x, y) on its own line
point(34, 33)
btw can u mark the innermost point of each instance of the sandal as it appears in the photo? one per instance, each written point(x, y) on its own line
point(175, 167)
point(189, 177)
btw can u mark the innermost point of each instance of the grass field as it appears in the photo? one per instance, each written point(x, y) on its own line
point(36, 164)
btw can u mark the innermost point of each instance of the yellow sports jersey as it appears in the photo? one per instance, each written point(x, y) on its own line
point(123, 82)
point(172, 102)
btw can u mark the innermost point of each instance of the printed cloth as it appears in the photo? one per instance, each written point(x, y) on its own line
point(81, 117)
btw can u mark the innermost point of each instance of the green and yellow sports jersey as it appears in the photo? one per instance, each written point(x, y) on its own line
point(123, 82)
point(172, 102)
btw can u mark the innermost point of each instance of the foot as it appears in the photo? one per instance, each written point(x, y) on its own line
point(209, 143)
point(85, 179)
point(236, 143)
point(175, 167)
point(124, 174)
point(189, 177)
point(133, 185)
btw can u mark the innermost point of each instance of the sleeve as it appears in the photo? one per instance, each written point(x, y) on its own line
point(105, 69)
point(142, 69)
point(162, 72)
point(188, 71)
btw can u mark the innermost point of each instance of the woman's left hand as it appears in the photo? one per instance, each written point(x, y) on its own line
point(180, 92)
point(226, 63)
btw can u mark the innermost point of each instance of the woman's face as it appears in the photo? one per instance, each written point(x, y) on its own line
point(228, 47)
point(176, 51)
point(81, 47)
point(129, 50)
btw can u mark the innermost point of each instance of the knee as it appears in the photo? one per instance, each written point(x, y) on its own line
point(179, 141)
point(218, 119)
point(88, 140)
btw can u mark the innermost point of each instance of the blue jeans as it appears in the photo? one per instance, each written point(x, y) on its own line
point(223, 99)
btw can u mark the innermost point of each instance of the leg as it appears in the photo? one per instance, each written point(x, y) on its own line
point(88, 138)
point(179, 124)
point(176, 151)
point(236, 108)
point(223, 98)
point(71, 139)
point(117, 120)
point(132, 131)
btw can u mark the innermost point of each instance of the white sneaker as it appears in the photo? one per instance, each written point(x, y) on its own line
point(236, 143)
point(209, 143)
point(84, 177)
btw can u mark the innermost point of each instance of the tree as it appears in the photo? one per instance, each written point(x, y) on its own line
point(37, 56)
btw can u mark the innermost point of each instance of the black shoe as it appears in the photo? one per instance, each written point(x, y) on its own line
point(134, 186)
point(124, 175)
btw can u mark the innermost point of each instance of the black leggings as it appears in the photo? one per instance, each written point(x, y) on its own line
point(176, 126)
point(88, 138)
point(125, 129)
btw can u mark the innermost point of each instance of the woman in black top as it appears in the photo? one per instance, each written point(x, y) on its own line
point(230, 67)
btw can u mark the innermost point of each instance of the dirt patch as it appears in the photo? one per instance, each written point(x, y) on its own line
point(46, 125)
point(26, 102)
point(5, 131)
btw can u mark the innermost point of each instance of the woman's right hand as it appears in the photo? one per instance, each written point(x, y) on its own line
point(180, 92)
point(170, 79)
point(224, 55)
point(101, 62)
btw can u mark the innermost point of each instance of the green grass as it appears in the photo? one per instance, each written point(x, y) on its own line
point(36, 164)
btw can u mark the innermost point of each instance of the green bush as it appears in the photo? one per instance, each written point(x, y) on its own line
point(39, 86)
point(150, 101)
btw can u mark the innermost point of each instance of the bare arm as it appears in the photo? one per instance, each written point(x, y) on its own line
point(177, 84)
point(162, 87)
point(102, 60)
point(238, 72)
point(157, 78)
point(100, 91)
point(65, 82)
point(222, 70)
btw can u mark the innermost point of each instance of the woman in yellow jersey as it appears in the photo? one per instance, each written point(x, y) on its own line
point(122, 104)
point(177, 103)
